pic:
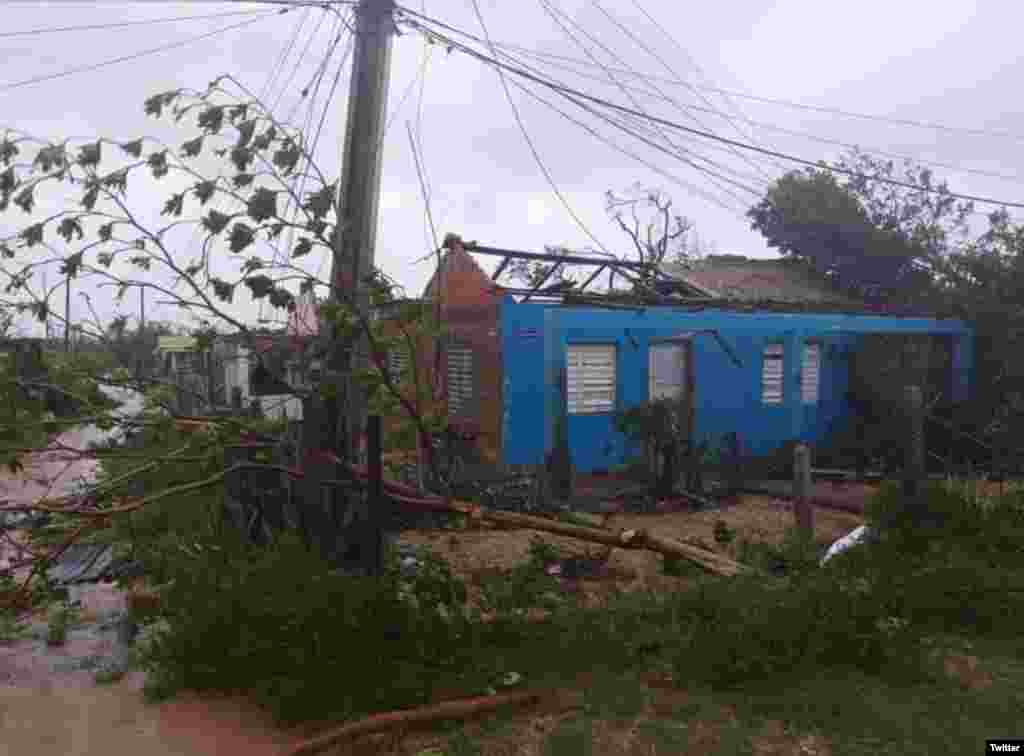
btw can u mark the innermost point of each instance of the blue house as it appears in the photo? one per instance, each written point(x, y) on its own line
point(770, 376)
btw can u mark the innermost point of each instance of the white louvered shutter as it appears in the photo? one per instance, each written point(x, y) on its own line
point(398, 363)
point(772, 374)
point(810, 373)
point(590, 378)
point(460, 380)
point(666, 364)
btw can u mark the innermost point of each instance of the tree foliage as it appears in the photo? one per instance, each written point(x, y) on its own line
point(871, 238)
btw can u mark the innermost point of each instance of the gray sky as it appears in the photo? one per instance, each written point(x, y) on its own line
point(952, 63)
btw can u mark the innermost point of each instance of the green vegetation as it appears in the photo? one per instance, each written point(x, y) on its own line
point(827, 651)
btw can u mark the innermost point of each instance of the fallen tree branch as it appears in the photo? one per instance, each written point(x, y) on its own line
point(461, 709)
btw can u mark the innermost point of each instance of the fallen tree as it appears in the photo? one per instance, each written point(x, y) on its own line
point(394, 720)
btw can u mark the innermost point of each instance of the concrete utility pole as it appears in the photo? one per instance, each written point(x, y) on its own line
point(359, 188)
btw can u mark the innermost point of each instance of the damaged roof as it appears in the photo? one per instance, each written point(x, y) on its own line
point(739, 278)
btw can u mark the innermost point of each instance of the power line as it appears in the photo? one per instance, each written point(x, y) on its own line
point(285, 54)
point(923, 124)
point(646, 48)
point(571, 93)
point(700, 71)
point(135, 56)
point(122, 24)
point(551, 11)
point(781, 129)
point(532, 146)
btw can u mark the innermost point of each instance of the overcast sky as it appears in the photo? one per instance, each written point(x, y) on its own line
point(951, 63)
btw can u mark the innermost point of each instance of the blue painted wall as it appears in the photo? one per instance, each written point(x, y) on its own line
point(535, 338)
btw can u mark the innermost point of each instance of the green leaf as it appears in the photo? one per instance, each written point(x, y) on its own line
point(105, 259)
point(215, 221)
point(262, 204)
point(211, 120)
point(238, 112)
point(158, 163)
point(321, 202)
point(118, 180)
point(90, 196)
point(304, 247)
point(316, 227)
point(26, 199)
point(245, 131)
point(155, 105)
point(264, 140)
point(241, 237)
point(204, 190)
point(71, 265)
point(174, 205)
point(222, 290)
point(133, 148)
point(193, 147)
point(8, 151)
point(242, 157)
point(287, 157)
point(70, 227)
point(106, 231)
point(8, 181)
point(32, 235)
point(6, 251)
point(259, 286)
point(140, 261)
point(51, 156)
point(90, 154)
point(242, 180)
point(281, 298)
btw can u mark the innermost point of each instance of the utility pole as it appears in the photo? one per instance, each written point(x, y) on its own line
point(67, 314)
point(336, 422)
point(142, 308)
point(359, 189)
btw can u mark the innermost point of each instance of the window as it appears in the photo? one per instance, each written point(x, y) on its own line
point(398, 363)
point(590, 378)
point(460, 380)
point(810, 373)
point(666, 366)
point(772, 374)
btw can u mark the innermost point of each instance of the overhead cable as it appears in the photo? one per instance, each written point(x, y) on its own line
point(570, 93)
point(136, 55)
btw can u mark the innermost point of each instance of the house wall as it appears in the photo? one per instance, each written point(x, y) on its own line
point(471, 313)
point(728, 398)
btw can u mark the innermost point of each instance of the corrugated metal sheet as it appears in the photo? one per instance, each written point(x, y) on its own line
point(772, 371)
point(810, 373)
point(666, 365)
point(590, 378)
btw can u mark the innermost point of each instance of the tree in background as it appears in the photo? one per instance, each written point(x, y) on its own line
point(657, 235)
point(872, 239)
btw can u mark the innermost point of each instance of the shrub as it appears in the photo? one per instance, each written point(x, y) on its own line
point(306, 642)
